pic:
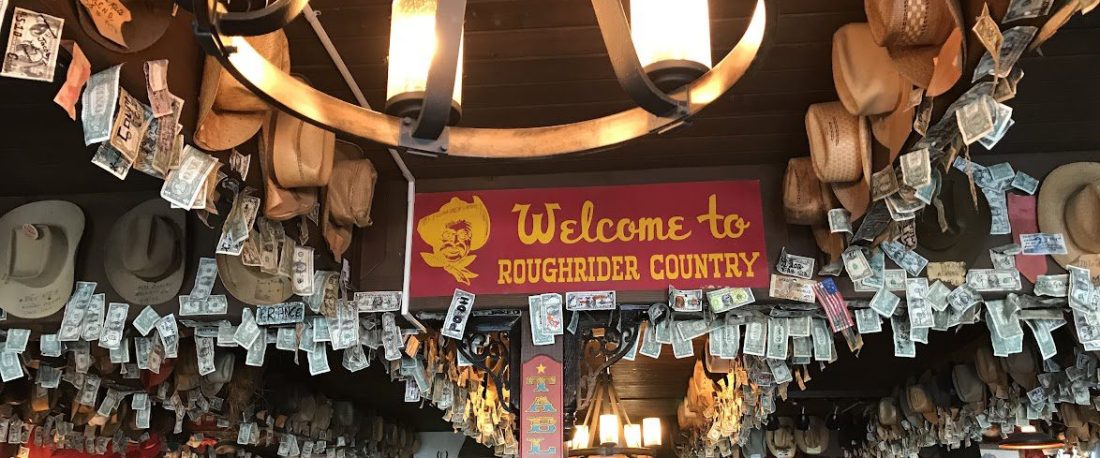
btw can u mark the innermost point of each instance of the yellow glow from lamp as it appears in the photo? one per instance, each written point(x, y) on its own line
point(609, 429)
point(671, 30)
point(651, 431)
point(413, 43)
point(632, 434)
point(580, 437)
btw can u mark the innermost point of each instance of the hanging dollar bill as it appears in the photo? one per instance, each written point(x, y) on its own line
point(462, 304)
point(156, 84)
point(33, 44)
point(590, 300)
point(378, 301)
point(994, 280)
point(129, 126)
point(885, 303)
point(303, 271)
point(883, 183)
point(183, 185)
point(92, 325)
point(318, 361)
point(725, 299)
point(539, 334)
point(916, 168)
point(114, 325)
point(1042, 244)
point(903, 346)
point(909, 260)
point(650, 347)
point(777, 338)
point(690, 300)
point(839, 220)
point(796, 266)
point(920, 311)
point(856, 264)
point(975, 119)
point(169, 335)
point(391, 337)
point(756, 337)
point(1052, 285)
point(988, 32)
point(824, 348)
point(1026, 9)
point(868, 321)
point(49, 345)
point(937, 296)
point(795, 289)
point(112, 160)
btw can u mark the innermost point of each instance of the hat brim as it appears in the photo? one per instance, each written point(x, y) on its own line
point(149, 21)
point(25, 301)
point(854, 196)
point(217, 131)
point(251, 286)
point(892, 129)
point(973, 223)
point(131, 287)
point(1056, 189)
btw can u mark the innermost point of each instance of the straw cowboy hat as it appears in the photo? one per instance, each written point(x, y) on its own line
point(38, 248)
point(967, 225)
point(840, 147)
point(1069, 201)
point(781, 441)
point(924, 38)
point(804, 200)
point(250, 285)
point(228, 113)
point(135, 26)
point(146, 252)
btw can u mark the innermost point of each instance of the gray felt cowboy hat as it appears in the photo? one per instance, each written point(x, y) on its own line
point(38, 244)
point(146, 253)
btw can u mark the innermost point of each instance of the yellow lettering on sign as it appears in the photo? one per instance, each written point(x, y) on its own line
point(670, 266)
point(723, 226)
point(542, 228)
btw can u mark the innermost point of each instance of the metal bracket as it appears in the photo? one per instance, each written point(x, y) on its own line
point(478, 348)
point(628, 69)
point(262, 21)
point(611, 347)
point(436, 109)
point(430, 146)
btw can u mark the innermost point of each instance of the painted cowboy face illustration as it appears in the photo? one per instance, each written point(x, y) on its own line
point(456, 230)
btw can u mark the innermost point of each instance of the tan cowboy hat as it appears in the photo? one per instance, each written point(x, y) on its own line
point(921, 402)
point(1069, 201)
point(865, 78)
point(228, 113)
point(840, 147)
point(301, 152)
point(133, 27)
point(280, 203)
point(829, 242)
point(924, 38)
point(840, 143)
point(815, 439)
point(250, 285)
point(781, 441)
point(892, 129)
point(38, 244)
point(146, 252)
point(804, 200)
point(348, 197)
point(888, 412)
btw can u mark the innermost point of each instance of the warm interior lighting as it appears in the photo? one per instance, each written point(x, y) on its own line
point(580, 436)
point(632, 434)
point(651, 429)
point(413, 43)
point(672, 38)
point(609, 429)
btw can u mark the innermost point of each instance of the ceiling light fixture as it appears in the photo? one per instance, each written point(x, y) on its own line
point(662, 51)
point(1029, 438)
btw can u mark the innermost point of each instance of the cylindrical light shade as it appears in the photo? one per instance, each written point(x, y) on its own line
point(672, 38)
point(580, 436)
point(632, 434)
point(651, 430)
point(413, 43)
point(609, 429)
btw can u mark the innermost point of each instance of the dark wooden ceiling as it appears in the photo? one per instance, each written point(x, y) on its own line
point(537, 63)
point(531, 63)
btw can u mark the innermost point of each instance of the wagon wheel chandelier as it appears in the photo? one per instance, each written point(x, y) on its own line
point(661, 58)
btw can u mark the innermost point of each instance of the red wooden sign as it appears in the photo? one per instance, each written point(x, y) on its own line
point(635, 237)
point(541, 400)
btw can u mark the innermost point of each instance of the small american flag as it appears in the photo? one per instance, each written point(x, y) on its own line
point(833, 303)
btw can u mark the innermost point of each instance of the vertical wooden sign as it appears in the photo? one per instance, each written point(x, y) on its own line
point(541, 397)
